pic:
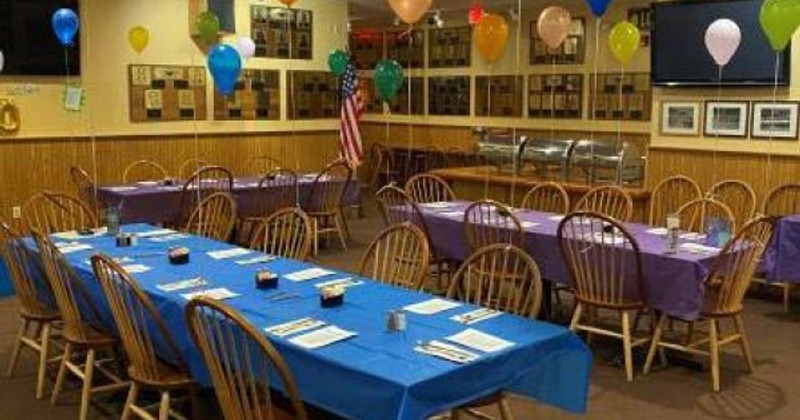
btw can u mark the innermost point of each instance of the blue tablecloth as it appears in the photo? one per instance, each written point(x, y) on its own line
point(377, 374)
point(6, 288)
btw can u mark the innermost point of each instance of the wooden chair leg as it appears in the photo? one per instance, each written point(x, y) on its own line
point(713, 337)
point(338, 220)
point(662, 323)
point(787, 293)
point(576, 317)
point(163, 408)
point(133, 393)
point(86, 392)
point(744, 342)
point(315, 232)
point(44, 352)
point(12, 363)
point(62, 372)
point(505, 410)
point(626, 343)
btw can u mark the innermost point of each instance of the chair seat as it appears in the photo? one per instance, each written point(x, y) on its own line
point(625, 305)
point(168, 377)
point(86, 335)
point(39, 316)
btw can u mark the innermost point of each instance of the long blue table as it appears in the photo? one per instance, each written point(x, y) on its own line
point(377, 374)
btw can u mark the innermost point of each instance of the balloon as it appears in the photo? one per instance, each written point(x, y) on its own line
point(246, 47)
point(491, 36)
point(288, 3)
point(598, 7)
point(410, 11)
point(225, 66)
point(780, 19)
point(722, 40)
point(476, 13)
point(138, 38)
point(338, 61)
point(624, 40)
point(65, 25)
point(2, 61)
point(553, 26)
point(388, 79)
point(208, 26)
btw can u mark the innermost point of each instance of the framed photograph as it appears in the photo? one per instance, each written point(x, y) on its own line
point(726, 119)
point(680, 118)
point(775, 120)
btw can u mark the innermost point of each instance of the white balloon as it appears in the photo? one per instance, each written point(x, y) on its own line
point(723, 37)
point(2, 61)
point(246, 47)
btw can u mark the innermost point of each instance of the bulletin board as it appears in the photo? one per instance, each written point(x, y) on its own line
point(277, 31)
point(257, 96)
point(160, 93)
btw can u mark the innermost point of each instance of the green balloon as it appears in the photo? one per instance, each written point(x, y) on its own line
point(388, 79)
point(338, 61)
point(208, 26)
point(779, 20)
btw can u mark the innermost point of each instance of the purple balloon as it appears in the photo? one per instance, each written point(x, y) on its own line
point(225, 65)
point(65, 25)
point(723, 37)
point(246, 47)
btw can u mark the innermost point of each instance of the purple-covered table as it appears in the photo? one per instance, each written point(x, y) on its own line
point(673, 282)
point(782, 258)
point(153, 202)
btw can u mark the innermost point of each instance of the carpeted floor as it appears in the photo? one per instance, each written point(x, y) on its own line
point(679, 392)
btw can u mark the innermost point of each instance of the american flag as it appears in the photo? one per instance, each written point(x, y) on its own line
point(352, 107)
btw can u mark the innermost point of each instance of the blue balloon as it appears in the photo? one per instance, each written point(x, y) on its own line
point(65, 25)
point(225, 65)
point(598, 7)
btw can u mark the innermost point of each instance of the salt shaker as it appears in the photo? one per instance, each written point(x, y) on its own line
point(396, 321)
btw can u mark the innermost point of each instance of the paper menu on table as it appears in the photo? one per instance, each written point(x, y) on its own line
point(557, 218)
point(431, 306)
point(70, 247)
point(74, 235)
point(657, 231)
point(136, 268)
point(220, 293)
point(122, 188)
point(170, 237)
point(452, 214)
point(529, 225)
point(436, 205)
point(292, 327)
point(446, 351)
point(698, 248)
point(228, 253)
point(261, 259)
point(155, 232)
point(182, 284)
point(345, 283)
point(322, 337)
point(309, 274)
point(476, 316)
point(479, 341)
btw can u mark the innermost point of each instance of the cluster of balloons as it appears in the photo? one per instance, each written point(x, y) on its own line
point(65, 25)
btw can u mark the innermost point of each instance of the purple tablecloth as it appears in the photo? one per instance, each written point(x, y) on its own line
point(673, 282)
point(147, 202)
point(782, 258)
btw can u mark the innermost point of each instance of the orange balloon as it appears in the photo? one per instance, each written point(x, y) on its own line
point(553, 26)
point(410, 11)
point(491, 37)
point(288, 3)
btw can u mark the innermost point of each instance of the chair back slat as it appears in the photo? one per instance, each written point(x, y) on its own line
point(399, 256)
point(241, 362)
point(783, 200)
point(279, 190)
point(26, 273)
point(488, 222)
point(51, 212)
point(191, 166)
point(286, 233)
point(696, 214)
point(85, 185)
point(144, 170)
point(206, 181)
point(603, 259)
point(214, 217)
point(670, 195)
point(329, 188)
point(738, 196)
point(547, 197)
point(429, 188)
point(261, 165)
point(137, 320)
point(501, 277)
point(609, 200)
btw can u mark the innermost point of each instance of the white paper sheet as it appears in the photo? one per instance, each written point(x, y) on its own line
point(692, 236)
point(529, 225)
point(658, 231)
point(453, 214)
point(228, 253)
point(436, 205)
point(219, 293)
point(481, 341)
point(122, 188)
point(261, 259)
point(446, 351)
point(148, 183)
point(293, 327)
point(170, 238)
point(478, 315)
point(432, 306)
point(136, 268)
point(182, 284)
point(345, 282)
point(558, 218)
point(156, 232)
point(322, 337)
point(70, 247)
point(698, 248)
point(308, 274)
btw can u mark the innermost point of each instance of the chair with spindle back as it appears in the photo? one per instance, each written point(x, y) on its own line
point(51, 212)
point(669, 195)
point(81, 329)
point(725, 287)
point(505, 278)
point(548, 197)
point(695, 214)
point(214, 217)
point(261, 165)
point(190, 166)
point(429, 188)
point(782, 201)
point(324, 204)
point(399, 256)
point(85, 186)
point(488, 222)
point(243, 368)
point(738, 196)
point(138, 324)
point(286, 233)
point(36, 302)
point(605, 265)
point(144, 170)
point(206, 181)
point(609, 200)
point(278, 190)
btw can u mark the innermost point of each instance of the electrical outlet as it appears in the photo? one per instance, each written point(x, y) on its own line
point(16, 212)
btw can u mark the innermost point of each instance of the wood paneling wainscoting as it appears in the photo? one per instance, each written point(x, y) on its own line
point(28, 166)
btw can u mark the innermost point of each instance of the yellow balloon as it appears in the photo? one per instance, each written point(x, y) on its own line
point(624, 41)
point(491, 37)
point(139, 37)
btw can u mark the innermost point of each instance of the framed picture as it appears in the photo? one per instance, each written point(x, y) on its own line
point(726, 119)
point(775, 120)
point(680, 118)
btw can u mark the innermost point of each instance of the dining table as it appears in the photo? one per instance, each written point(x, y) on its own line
point(781, 262)
point(370, 371)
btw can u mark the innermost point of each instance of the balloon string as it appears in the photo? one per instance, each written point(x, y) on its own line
point(410, 126)
point(488, 114)
point(591, 120)
point(517, 87)
point(772, 118)
point(553, 100)
point(293, 101)
point(620, 107)
point(715, 117)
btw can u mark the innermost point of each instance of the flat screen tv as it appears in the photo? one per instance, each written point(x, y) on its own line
point(679, 56)
point(27, 40)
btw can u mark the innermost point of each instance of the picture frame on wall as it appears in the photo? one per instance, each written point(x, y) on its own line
point(726, 119)
point(680, 118)
point(775, 120)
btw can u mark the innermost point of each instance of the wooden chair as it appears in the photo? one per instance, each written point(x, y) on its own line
point(191, 166)
point(606, 270)
point(548, 197)
point(278, 190)
point(696, 213)
point(609, 200)
point(242, 369)
point(781, 201)
point(80, 330)
point(398, 256)
point(144, 170)
point(203, 183)
point(261, 165)
point(51, 212)
point(324, 205)
point(138, 322)
point(388, 172)
point(213, 218)
point(488, 222)
point(725, 287)
point(428, 188)
point(669, 195)
point(286, 233)
point(738, 196)
point(84, 184)
point(501, 277)
point(37, 307)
